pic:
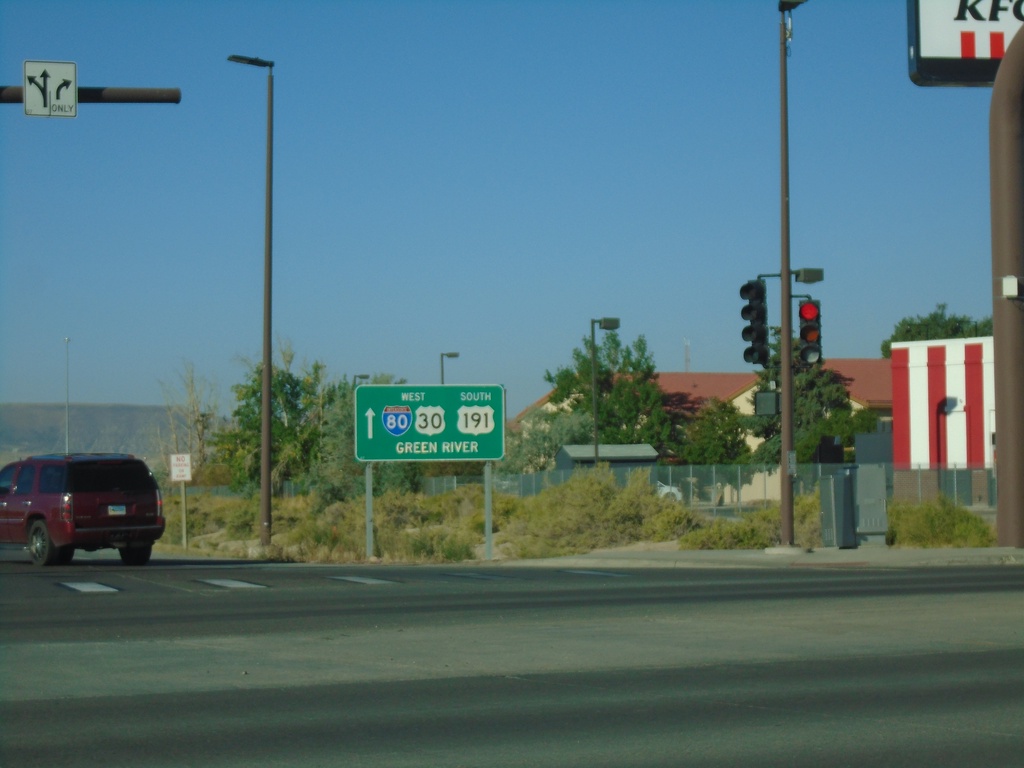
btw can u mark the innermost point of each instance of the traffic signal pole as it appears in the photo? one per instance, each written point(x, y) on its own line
point(786, 308)
point(1006, 161)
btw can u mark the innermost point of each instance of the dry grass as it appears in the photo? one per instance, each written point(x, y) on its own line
point(588, 512)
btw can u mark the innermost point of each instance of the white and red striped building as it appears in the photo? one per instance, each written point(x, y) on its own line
point(943, 404)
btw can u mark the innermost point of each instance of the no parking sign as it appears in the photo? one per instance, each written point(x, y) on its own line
point(181, 468)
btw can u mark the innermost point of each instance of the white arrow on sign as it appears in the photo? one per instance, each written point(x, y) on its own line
point(369, 423)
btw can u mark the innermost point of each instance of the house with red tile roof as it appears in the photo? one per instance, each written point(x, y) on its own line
point(869, 382)
point(687, 392)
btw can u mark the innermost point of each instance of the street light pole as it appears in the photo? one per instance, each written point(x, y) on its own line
point(67, 394)
point(265, 405)
point(443, 356)
point(605, 324)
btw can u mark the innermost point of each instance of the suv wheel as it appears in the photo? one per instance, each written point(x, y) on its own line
point(136, 555)
point(40, 545)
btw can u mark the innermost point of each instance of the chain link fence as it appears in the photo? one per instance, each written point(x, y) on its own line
point(730, 489)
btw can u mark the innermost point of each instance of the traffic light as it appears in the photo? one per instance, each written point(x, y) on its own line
point(809, 312)
point(756, 315)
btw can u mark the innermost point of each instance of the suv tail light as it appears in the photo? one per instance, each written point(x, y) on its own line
point(67, 509)
point(159, 503)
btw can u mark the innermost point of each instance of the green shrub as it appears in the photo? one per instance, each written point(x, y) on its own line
point(335, 534)
point(439, 545)
point(670, 522)
point(937, 523)
point(241, 520)
point(589, 511)
point(754, 530)
point(564, 519)
point(806, 521)
point(759, 529)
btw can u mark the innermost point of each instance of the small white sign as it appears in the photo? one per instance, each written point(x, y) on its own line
point(50, 89)
point(181, 468)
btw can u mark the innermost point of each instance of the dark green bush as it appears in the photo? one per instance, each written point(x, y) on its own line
point(937, 523)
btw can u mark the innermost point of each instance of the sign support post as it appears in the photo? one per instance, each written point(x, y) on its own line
point(369, 510)
point(488, 516)
point(184, 518)
point(181, 470)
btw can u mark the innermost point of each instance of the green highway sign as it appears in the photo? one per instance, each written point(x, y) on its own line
point(456, 422)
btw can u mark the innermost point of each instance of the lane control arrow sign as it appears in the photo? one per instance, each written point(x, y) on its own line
point(50, 89)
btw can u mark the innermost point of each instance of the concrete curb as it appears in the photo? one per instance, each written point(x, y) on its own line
point(783, 557)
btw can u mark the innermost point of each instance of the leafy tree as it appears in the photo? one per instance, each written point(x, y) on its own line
point(533, 446)
point(336, 474)
point(629, 399)
point(191, 416)
point(818, 394)
point(298, 407)
point(716, 435)
point(936, 325)
point(845, 424)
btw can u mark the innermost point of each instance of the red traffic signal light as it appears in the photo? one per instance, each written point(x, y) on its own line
point(809, 313)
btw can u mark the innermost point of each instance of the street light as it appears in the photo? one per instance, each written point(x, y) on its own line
point(787, 457)
point(265, 409)
point(443, 356)
point(605, 324)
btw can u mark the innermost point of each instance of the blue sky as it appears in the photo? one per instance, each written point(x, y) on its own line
point(472, 176)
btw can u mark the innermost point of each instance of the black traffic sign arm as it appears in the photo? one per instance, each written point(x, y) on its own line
point(14, 94)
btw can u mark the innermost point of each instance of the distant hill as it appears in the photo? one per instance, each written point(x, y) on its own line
point(33, 428)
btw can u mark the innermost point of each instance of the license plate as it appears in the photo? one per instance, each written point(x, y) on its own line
point(116, 509)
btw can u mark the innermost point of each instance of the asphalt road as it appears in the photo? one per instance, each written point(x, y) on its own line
point(199, 664)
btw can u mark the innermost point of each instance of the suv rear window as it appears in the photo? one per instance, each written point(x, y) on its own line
point(129, 477)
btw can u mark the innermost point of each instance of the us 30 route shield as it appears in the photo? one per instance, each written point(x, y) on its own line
point(455, 422)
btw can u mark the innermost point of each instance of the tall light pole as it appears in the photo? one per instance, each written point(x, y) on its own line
point(265, 409)
point(443, 356)
point(787, 458)
point(605, 324)
point(67, 394)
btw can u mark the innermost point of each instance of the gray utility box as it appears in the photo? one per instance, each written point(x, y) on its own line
point(838, 528)
point(853, 506)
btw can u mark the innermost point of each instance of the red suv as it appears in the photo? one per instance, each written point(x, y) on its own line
point(57, 504)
